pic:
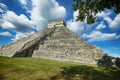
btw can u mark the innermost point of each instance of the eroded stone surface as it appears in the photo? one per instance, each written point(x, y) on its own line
point(56, 24)
point(54, 43)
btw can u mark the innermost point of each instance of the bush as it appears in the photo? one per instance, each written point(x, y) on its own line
point(117, 62)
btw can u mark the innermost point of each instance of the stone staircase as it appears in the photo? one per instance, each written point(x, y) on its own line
point(54, 43)
point(63, 44)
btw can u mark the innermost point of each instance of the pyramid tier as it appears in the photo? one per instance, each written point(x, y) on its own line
point(53, 43)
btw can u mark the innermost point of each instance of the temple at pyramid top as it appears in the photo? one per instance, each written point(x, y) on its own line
point(56, 24)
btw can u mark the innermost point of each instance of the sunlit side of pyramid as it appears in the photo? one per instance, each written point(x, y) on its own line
point(54, 42)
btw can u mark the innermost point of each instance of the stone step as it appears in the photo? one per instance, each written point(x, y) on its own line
point(61, 37)
point(79, 53)
point(62, 55)
point(64, 47)
point(64, 41)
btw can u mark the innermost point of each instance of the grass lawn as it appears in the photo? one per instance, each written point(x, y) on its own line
point(46, 69)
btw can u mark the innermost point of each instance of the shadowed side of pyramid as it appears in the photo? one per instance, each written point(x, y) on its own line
point(54, 42)
point(29, 47)
point(14, 49)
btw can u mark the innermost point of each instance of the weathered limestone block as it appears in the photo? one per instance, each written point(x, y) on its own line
point(54, 42)
point(56, 24)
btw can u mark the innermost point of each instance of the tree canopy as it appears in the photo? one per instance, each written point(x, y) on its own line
point(89, 8)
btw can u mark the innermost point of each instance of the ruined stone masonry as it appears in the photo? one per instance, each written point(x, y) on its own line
point(54, 42)
point(56, 24)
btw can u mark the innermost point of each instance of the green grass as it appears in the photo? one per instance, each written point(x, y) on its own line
point(45, 69)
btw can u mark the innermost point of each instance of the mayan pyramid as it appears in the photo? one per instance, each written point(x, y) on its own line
point(54, 42)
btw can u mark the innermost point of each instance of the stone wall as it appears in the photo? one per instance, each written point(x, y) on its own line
point(54, 43)
point(11, 49)
point(63, 44)
point(56, 24)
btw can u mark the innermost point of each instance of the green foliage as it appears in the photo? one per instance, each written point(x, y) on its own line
point(46, 69)
point(82, 73)
point(117, 62)
point(89, 8)
point(105, 61)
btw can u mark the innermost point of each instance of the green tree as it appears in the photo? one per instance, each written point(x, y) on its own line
point(105, 61)
point(117, 62)
point(89, 8)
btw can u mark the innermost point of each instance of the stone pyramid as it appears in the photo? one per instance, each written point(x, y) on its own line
point(54, 42)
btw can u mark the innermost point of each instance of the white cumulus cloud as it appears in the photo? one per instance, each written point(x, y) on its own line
point(20, 35)
point(41, 12)
point(101, 26)
point(104, 13)
point(77, 26)
point(5, 34)
point(23, 2)
point(17, 23)
point(99, 36)
point(26, 4)
point(115, 23)
point(89, 32)
point(3, 9)
point(45, 11)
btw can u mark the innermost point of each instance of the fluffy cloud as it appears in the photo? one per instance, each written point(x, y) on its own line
point(104, 14)
point(20, 35)
point(5, 34)
point(26, 4)
point(17, 23)
point(113, 24)
point(41, 12)
point(101, 26)
point(3, 9)
point(45, 11)
point(77, 26)
point(23, 2)
point(75, 14)
point(99, 36)
point(89, 32)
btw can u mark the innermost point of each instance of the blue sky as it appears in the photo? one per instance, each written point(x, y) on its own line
point(20, 18)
